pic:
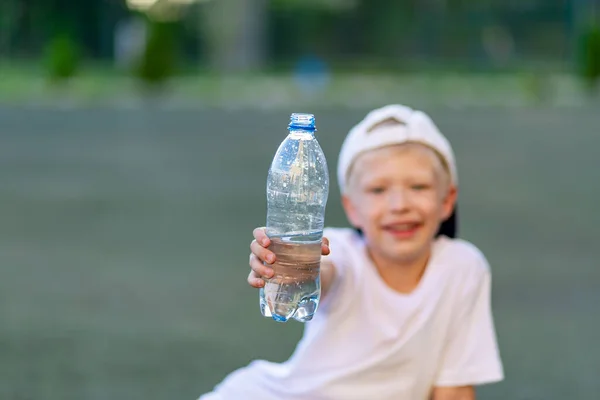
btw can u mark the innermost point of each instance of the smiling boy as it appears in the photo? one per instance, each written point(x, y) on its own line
point(405, 312)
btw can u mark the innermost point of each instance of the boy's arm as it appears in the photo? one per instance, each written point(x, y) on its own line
point(327, 276)
point(453, 393)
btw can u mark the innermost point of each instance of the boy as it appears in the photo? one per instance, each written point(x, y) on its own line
point(405, 310)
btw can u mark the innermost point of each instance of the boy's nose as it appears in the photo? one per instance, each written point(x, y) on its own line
point(398, 201)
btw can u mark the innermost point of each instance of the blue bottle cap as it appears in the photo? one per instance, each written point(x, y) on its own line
point(302, 121)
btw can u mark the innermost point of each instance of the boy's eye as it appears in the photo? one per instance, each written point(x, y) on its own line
point(420, 186)
point(376, 189)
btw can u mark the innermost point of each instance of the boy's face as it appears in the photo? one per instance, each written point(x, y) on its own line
point(398, 196)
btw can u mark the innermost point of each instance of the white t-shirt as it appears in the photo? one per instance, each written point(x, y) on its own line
point(367, 341)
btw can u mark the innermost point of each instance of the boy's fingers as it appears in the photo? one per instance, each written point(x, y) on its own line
point(325, 250)
point(261, 253)
point(260, 235)
point(259, 269)
point(255, 281)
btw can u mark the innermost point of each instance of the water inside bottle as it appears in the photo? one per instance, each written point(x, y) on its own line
point(295, 288)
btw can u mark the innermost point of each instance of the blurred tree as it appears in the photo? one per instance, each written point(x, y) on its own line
point(159, 58)
point(235, 32)
point(386, 24)
point(241, 35)
point(10, 12)
point(589, 64)
point(316, 4)
point(296, 30)
point(62, 58)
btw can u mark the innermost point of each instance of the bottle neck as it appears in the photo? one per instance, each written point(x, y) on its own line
point(302, 133)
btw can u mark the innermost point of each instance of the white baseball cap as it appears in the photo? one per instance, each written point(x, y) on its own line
point(406, 125)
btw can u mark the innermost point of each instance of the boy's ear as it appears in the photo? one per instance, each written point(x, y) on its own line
point(449, 202)
point(350, 210)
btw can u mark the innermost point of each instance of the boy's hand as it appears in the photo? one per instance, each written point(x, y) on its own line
point(261, 254)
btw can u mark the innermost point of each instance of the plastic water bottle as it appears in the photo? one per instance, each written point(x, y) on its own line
point(297, 191)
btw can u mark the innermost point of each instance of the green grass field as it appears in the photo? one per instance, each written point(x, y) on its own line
point(27, 84)
point(125, 233)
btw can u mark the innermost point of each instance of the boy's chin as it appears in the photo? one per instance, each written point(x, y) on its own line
point(404, 252)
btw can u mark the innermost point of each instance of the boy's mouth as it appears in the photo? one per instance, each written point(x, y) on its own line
point(402, 230)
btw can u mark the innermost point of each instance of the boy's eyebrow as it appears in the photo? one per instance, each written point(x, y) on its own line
point(391, 121)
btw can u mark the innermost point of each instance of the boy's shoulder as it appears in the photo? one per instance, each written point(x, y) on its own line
point(463, 255)
point(344, 243)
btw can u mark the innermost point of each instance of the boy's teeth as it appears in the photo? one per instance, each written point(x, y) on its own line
point(402, 226)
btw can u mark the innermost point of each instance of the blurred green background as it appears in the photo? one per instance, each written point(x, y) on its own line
point(136, 139)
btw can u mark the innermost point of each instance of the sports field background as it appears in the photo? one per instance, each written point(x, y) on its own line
point(124, 241)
